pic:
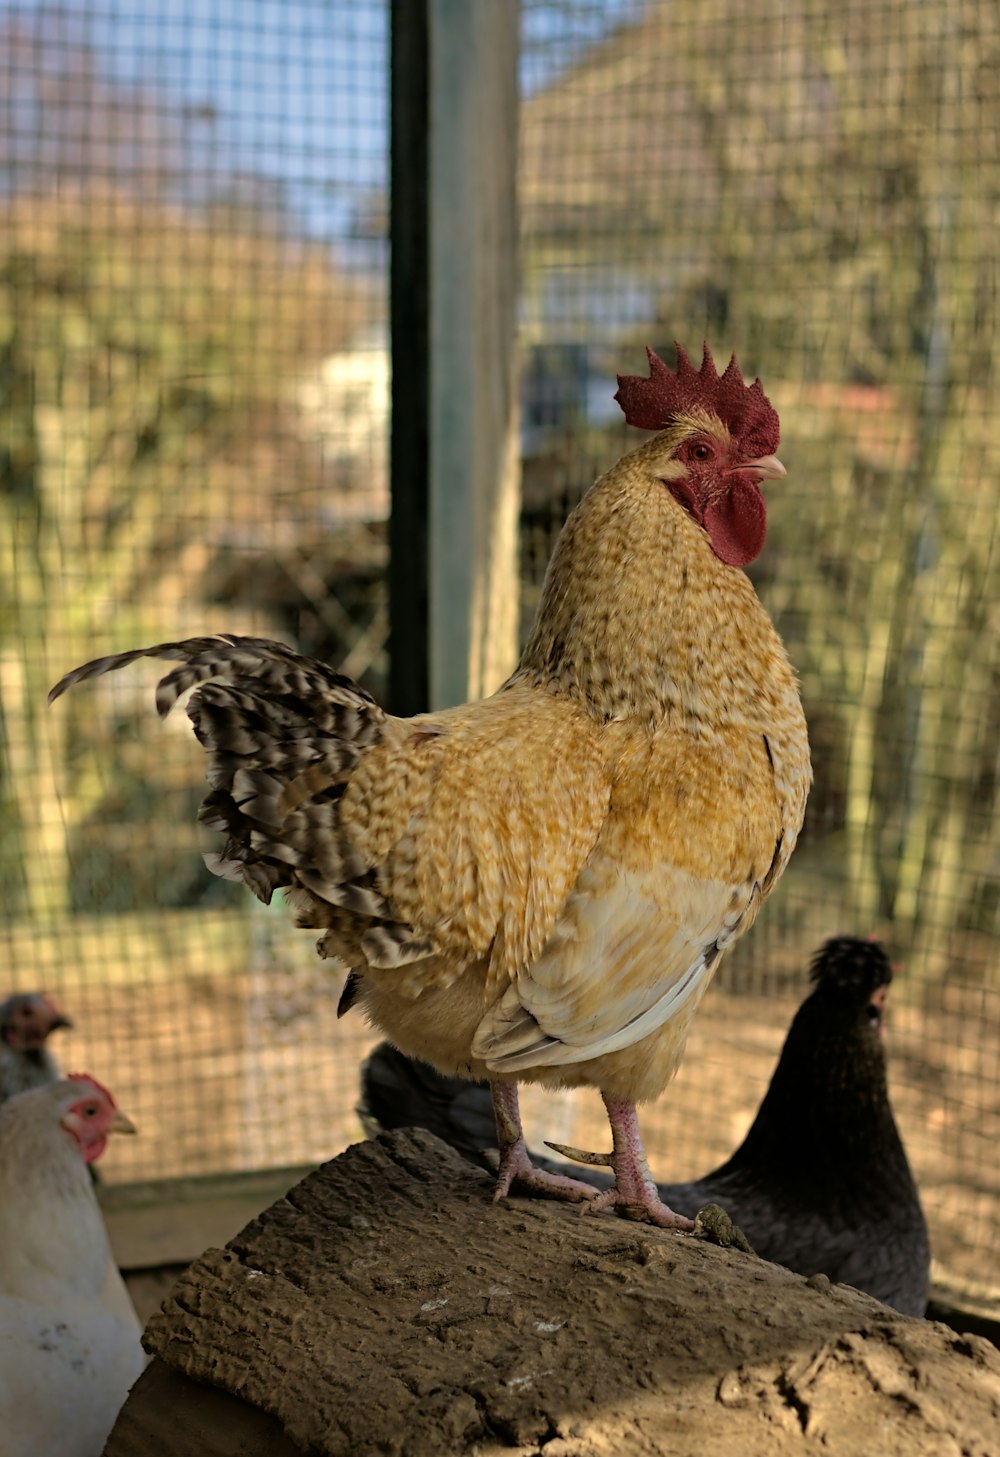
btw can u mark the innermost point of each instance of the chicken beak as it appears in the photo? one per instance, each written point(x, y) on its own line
point(769, 466)
point(121, 1124)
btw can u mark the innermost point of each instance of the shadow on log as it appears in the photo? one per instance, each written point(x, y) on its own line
point(387, 1306)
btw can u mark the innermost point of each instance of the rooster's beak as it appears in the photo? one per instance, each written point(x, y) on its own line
point(770, 467)
point(121, 1124)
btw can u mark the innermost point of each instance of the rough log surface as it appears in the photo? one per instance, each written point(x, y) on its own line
point(387, 1306)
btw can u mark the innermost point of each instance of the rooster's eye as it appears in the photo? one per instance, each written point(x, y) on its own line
point(91, 1110)
point(700, 451)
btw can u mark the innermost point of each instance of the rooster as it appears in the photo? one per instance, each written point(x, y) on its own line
point(27, 1019)
point(821, 1182)
point(69, 1336)
point(539, 886)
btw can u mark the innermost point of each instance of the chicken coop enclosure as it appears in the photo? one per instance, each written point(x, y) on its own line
point(196, 386)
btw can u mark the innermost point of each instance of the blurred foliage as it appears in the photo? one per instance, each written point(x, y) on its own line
point(157, 320)
point(151, 433)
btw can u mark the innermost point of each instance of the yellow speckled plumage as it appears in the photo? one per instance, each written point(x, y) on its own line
point(540, 885)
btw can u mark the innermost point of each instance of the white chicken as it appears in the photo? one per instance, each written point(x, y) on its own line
point(69, 1335)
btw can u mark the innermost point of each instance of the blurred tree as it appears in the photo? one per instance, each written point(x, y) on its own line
point(149, 358)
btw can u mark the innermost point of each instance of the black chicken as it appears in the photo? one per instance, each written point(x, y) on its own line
point(820, 1183)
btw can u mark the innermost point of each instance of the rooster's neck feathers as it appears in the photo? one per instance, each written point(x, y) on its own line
point(639, 619)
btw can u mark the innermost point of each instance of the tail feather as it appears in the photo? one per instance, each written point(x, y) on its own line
point(282, 734)
point(265, 669)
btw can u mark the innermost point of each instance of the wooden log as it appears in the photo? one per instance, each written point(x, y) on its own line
point(386, 1305)
point(167, 1414)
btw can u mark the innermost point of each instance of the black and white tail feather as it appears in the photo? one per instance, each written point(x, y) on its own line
point(283, 734)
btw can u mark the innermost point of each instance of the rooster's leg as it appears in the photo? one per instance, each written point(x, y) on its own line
point(634, 1193)
point(516, 1170)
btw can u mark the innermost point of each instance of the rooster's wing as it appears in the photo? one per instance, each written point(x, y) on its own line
point(685, 856)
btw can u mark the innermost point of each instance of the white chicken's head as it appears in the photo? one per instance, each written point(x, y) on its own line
point(90, 1114)
point(719, 436)
point(27, 1019)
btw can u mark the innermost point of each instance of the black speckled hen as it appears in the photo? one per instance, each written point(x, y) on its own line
point(27, 1021)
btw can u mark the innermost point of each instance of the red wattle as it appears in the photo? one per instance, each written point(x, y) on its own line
point(737, 524)
point(93, 1149)
point(91, 1146)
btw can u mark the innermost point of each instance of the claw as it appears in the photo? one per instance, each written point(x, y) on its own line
point(649, 1209)
point(633, 1193)
point(581, 1156)
point(514, 1167)
point(518, 1174)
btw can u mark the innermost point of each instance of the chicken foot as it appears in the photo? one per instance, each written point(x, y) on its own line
point(634, 1193)
point(516, 1171)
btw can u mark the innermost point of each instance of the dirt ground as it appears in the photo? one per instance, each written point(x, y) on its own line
point(256, 1071)
point(387, 1306)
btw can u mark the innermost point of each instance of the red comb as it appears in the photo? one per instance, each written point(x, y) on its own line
point(744, 409)
point(86, 1078)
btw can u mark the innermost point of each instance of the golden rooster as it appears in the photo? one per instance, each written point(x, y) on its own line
point(538, 886)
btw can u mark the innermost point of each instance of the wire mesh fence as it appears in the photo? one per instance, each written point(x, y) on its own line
point(195, 395)
point(815, 187)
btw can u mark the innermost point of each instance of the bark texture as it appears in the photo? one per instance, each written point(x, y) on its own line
point(387, 1306)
